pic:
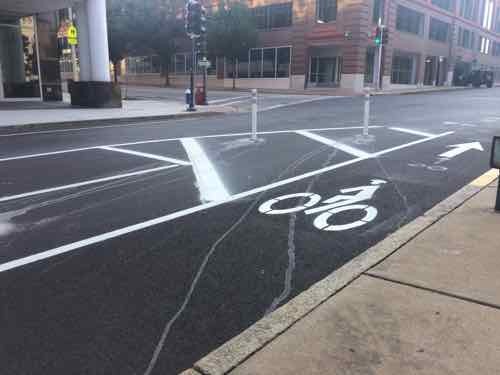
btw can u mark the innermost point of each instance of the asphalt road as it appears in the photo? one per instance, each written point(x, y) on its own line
point(138, 249)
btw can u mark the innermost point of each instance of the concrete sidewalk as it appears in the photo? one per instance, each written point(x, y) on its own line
point(20, 115)
point(432, 307)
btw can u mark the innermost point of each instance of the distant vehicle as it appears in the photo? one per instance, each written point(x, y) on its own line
point(476, 78)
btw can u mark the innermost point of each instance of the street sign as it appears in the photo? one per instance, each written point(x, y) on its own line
point(204, 64)
point(72, 35)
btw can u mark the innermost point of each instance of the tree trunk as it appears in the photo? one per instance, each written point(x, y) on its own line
point(115, 71)
point(234, 74)
point(167, 76)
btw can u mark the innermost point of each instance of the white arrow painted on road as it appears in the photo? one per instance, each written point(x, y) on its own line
point(461, 148)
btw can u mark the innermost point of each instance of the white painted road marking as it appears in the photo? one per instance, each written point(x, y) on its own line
point(330, 142)
point(414, 132)
point(160, 140)
point(209, 183)
point(278, 106)
point(163, 219)
point(84, 183)
point(229, 99)
point(461, 148)
point(146, 155)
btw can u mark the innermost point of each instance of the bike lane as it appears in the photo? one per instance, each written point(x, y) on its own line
point(104, 308)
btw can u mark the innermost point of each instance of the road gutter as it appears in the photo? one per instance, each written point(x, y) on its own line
point(228, 356)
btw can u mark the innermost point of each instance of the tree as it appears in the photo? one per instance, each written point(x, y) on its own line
point(232, 32)
point(164, 26)
point(121, 32)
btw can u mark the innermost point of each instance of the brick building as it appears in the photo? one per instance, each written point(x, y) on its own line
point(329, 43)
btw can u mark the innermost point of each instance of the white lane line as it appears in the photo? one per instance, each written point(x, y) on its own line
point(414, 132)
point(163, 219)
point(330, 142)
point(84, 183)
point(228, 99)
point(235, 102)
point(161, 140)
point(386, 151)
point(278, 106)
point(459, 124)
point(209, 183)
point(145, 155)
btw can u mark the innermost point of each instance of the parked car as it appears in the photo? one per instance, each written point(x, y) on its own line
point(481, 77)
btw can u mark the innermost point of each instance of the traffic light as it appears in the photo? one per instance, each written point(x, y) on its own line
point(196, 19)
point(385, 36)
point(378, 36)
point(381, 36)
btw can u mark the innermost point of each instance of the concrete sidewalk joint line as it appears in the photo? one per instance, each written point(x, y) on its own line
point(228, 356)
point(431, 290)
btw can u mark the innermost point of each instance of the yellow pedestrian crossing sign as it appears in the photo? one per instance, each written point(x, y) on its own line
point(72, 35)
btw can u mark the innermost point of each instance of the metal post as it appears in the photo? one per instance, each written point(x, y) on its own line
point(193, 57)
point(254, 115)
point(379, 63)
point(366, 118)
point(73, 51)
point(497, 203)
point(39, 66)
point(205, 100)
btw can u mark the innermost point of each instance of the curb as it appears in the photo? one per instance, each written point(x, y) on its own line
point(228, 356)
point(429, 91)
point(26, 128)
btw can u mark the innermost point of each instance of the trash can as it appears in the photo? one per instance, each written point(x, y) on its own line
point(200, 95)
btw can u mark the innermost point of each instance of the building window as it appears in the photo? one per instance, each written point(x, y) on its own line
point(496, 49)
point(439, 30)
point(465, 38)
point(487, 20)
point(143, 64)
point(180, 63)
point(326, 10)
point(467, 9)
point(378, 10)
point(409, 20)
point(497, 21)
point(273, 16)
point(445, 4)
point(271, 62)
point(484, 45)
point(369, 65)
point(284, 60)
point(403, 67)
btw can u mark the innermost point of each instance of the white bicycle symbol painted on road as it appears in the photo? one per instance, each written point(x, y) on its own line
point(329, 207)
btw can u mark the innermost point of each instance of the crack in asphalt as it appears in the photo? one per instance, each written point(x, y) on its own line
point(168, 326)
point(291, 251)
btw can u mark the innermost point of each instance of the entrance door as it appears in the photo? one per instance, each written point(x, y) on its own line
point(323, 71)
point(429, 72)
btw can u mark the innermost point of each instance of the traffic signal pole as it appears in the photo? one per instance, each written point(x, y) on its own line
point(379, 63)
point(191, 107)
